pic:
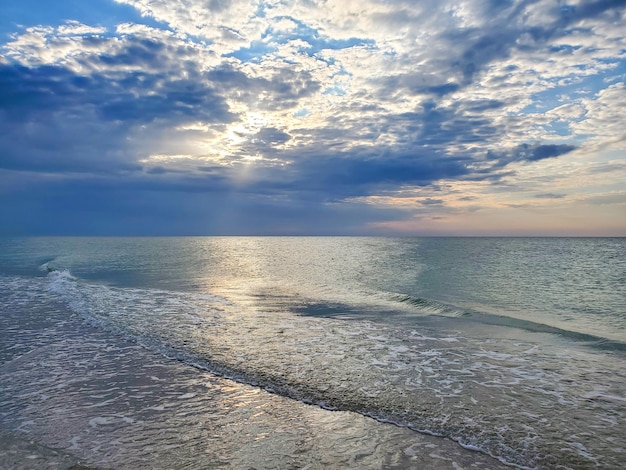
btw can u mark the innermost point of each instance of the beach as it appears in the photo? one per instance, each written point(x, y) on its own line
point(310, 353)
point(81, 397)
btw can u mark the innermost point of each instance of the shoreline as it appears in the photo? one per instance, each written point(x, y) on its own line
point(79, 398)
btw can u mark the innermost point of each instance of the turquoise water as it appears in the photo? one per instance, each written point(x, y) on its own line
point(511, 347)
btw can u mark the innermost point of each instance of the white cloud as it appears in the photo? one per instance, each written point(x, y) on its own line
point(605, 120)
point(74, 28)
point(226, 24)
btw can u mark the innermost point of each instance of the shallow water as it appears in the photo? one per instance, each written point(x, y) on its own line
point(110, 403)
point(510, 347)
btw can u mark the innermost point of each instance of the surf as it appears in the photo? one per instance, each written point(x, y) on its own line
point(411, 375)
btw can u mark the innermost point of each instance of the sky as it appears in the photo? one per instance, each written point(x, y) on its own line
point(313, 117)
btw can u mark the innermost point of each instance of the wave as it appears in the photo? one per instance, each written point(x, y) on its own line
point(130, 314)
point(46, 267)
point(535, 327)
point(429, 307)
point(89, 306)
point(418, 378)
point(434, 308)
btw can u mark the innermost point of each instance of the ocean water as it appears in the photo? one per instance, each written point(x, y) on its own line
point(279, 352)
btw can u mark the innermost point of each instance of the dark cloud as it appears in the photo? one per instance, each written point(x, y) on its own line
point(45, 126)
point(52, 119)
point(157, 170)
point(540, 152)
point(141, 51)
point(271, 135)
point(432, 202)
point(550, 196)
point(334, 176)
point(25, 92)
point(589, 9)
point(143, 94)
point(284, 88)
point(107, 206)
point(529, 153)
point(439, 90)
point(175, 100)
point(483, 105)
point(615, 198)
point(607, 167)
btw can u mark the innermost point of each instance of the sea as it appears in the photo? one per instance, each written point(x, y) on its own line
point(312, 352)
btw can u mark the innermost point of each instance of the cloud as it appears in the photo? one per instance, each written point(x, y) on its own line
point(529, 153)
point(271, 136)
point(316, 106)
point(608, 199)
point(114, 206)
point(345, 176)
point(280, 88)
point(604, 119)
point(54, 119)
point(550, 196)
